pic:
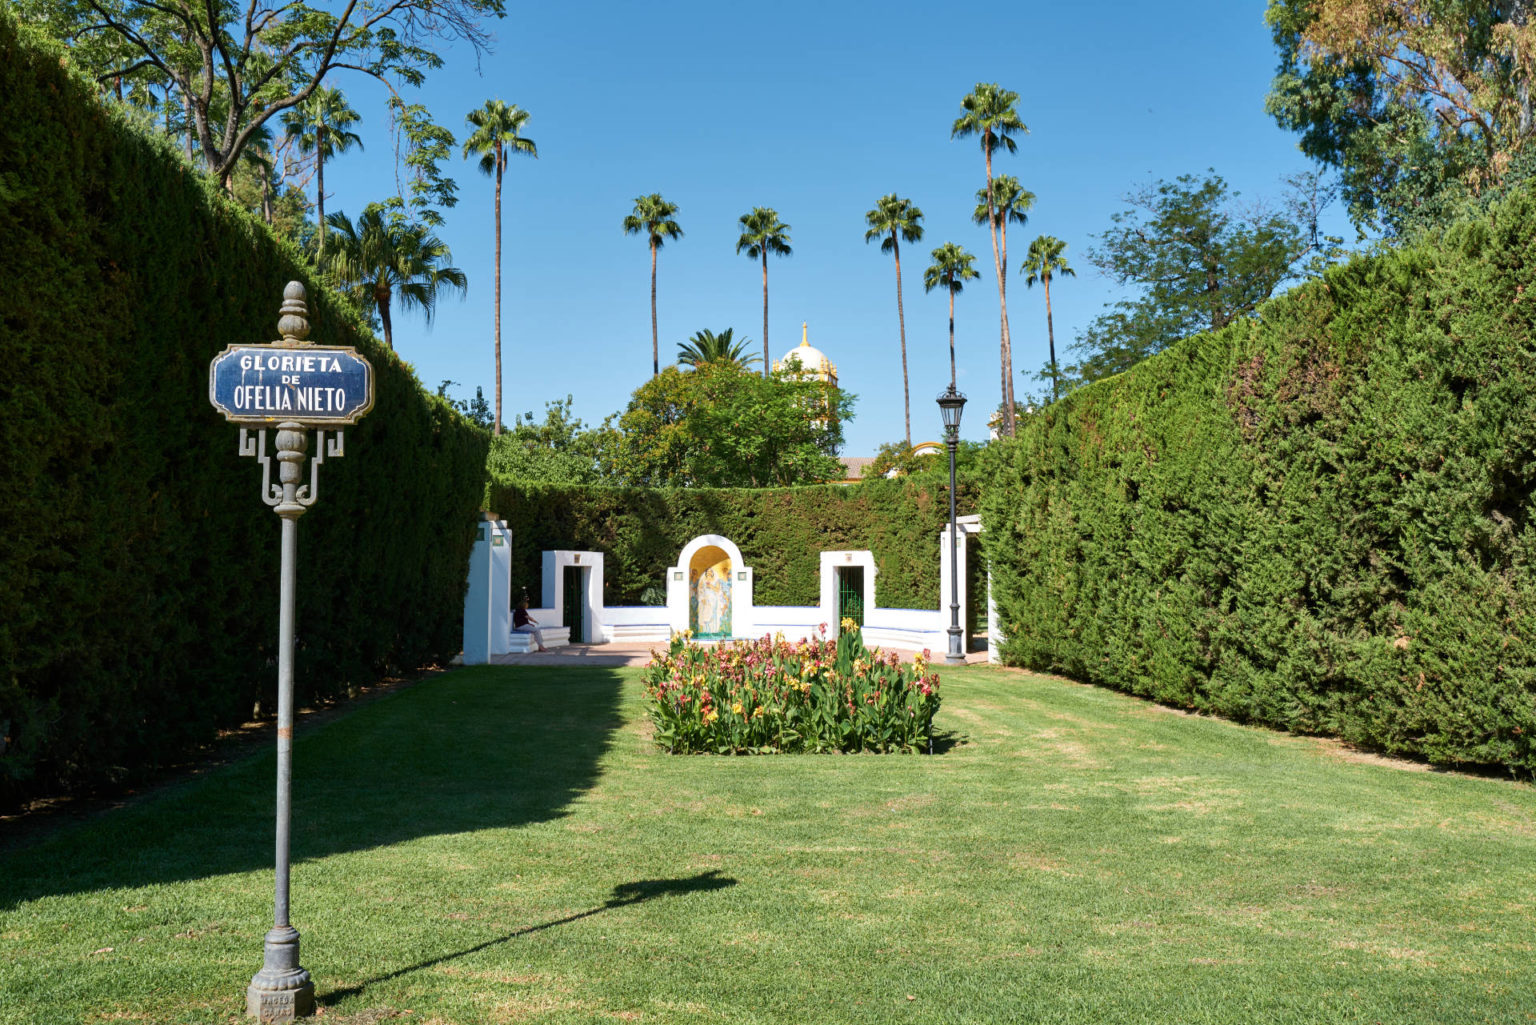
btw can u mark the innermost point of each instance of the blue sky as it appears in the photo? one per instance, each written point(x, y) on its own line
point(814, 109)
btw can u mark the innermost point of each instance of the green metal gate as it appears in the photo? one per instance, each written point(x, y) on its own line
point(850, 594)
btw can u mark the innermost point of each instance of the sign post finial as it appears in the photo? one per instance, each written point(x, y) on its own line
point(293, 325)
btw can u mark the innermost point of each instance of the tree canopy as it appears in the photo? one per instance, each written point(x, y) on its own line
point(721, 425)
point(560, 449)
point(1199, 261)
point(235, 66)
point(1405, 97)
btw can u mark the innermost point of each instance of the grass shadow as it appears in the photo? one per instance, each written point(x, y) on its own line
point(475, 748)
point(624, 895)
point(943, 741)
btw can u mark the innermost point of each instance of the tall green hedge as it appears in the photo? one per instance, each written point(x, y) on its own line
point(1319, 519)
point(781, 533)
point(138, 564)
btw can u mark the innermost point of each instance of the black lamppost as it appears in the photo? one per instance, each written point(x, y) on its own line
point(951, 403)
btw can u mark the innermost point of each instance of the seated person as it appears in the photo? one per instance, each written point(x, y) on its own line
point(523, 623)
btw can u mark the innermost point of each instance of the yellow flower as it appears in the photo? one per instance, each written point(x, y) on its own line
point(758, 711)
point(736, 708)
point(711, 715)
point(849, 624)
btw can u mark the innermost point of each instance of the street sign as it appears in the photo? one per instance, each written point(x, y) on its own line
point(312, 385)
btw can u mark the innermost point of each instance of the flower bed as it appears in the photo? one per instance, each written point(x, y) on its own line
point(765, 696)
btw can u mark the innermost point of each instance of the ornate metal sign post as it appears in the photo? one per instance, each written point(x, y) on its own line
point(294, 385)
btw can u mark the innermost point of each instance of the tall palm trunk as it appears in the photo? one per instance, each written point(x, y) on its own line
point(1519, 16)
point(655, 347)
point(765, 310)
point(1002, 280)
point(1005, 354)
point(320, 181)
point(381, 299)
point(901, 321)
point(951, 339)
point(266, 195)
point(500, 163)
point(1050, 330)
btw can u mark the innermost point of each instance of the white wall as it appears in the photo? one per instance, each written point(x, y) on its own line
point(795, 622)
point(591, 564)
point(634, 615)
point(911, 629)
point(487, 616)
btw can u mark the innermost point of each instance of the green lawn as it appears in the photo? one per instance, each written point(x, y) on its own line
point(504, 845)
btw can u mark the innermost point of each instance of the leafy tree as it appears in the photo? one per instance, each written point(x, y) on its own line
point(259, 186)
point(897, 459)
point(990, 114)
point(236, 67)
point(320, 125)
point(1405, 97)
point(1046, 259)
point(722, 425)
point(477, 411)
point(559, 450)
point(707, 347)
point(497, 135)
point(259, 162)
point(653, 216)
point(891, 218)
point(1199, 260)
point(427, 144)
point(951, 269)
point(762, 233)
point(380, 257)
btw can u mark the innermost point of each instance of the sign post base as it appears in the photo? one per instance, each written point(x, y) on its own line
point(282, 990)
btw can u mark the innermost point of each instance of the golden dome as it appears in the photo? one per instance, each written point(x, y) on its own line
point(811, 361)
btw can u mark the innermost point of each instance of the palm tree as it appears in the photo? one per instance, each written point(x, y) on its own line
point(377, 258)
point(319, 126)
point(988, 112)
point(892, 217)
point(1012, 203)
point(496, 137)
point(653, 215)
point(762, 233)
point(951, 268)
point(258, 154)
point(1044, 261)
point(707, 347)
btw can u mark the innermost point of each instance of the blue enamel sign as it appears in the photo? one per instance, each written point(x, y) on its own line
point(315, 385)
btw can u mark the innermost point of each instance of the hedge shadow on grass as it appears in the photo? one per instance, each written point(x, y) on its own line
point(479, 748)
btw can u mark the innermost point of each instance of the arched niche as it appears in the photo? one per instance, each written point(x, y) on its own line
point(710, 574)
point(726, 599)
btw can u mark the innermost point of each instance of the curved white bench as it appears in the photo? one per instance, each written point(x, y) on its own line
point(554, 637)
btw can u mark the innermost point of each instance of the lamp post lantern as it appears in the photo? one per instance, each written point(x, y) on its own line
point(294, 385)
point(951, 403)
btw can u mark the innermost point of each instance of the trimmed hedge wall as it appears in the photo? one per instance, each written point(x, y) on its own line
point(138, 564)
point(781, 533)
point(1319, 519)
